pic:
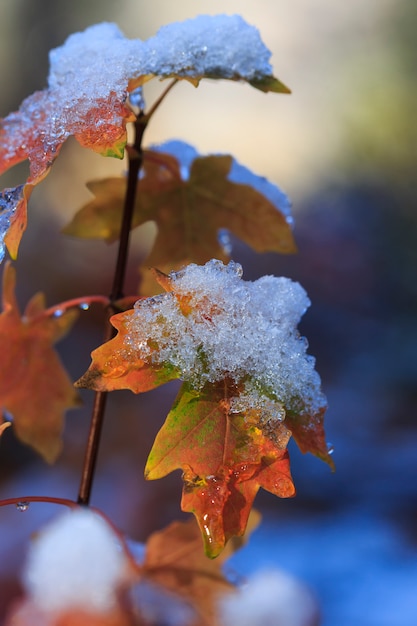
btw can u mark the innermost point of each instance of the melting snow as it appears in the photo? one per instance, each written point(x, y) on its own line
point(235, 328)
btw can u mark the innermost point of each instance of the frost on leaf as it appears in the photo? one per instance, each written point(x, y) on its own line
point(89, 80)
point(74, 572)
point(248, 385)
point(192, 199)
point(212, 46)
point(34, 387)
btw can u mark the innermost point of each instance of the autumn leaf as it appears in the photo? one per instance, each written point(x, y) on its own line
point(88, 84)
point(34, 387)
point(192, 200)
point(225, 459)
point(116, 365)
point(175, 563)
point(245, 368)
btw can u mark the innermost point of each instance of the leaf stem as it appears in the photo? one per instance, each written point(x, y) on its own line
point(160, 99)
point(29, 499)
point(134, 153)
point(76, 303)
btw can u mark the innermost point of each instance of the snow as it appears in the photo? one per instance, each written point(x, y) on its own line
point(94, 63)
point(96, 66)
point(76, 562)
point(218, 46)
point(240, 329)
point(243, 176)
point(93, 71)
point(269, 598)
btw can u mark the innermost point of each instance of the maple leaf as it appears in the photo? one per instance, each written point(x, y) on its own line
point(225, 459)
point(235, 345)
point(34, 386)
point(191, 199)
point(174, 562)
point(88, 83)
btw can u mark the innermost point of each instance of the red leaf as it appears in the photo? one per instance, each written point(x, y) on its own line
point(225, 459)
point(34, 386)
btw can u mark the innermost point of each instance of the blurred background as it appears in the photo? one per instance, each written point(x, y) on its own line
point(343, 146)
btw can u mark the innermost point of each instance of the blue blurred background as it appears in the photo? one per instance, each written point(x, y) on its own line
point(343, 146)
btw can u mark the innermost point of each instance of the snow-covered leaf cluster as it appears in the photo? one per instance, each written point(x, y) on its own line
point(229, 327)
point(89, 81)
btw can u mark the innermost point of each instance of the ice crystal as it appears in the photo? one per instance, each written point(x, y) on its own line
point(76, 562)
point(244, 330)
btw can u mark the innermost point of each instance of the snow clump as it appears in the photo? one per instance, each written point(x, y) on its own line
point(214, 325)
point(77, 562)
point(270, 598)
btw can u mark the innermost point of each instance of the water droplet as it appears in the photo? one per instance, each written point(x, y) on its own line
point(22, 506)
point(330, 449)
point(58, 312)
point(84, 306)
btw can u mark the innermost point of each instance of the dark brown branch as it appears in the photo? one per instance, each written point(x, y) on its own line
point(135, 162)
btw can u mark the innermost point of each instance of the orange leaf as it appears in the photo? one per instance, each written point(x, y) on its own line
point(175, 562)
point(190, 211)
point(117, 366)
point(34, 386)
point(225, 459)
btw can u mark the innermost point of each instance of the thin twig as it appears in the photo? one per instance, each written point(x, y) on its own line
point(160, 99)
point(97, 417)
point(135, 156)
point(26, 500)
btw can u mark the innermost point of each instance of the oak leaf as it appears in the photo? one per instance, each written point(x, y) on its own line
point(34, 387)
point(192, 200)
